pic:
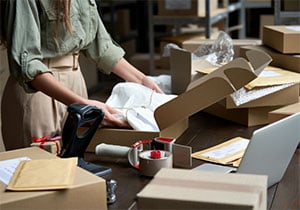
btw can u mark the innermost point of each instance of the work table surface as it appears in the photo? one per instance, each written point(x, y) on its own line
point(204, 131)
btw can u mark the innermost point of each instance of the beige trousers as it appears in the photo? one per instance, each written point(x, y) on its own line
point(27, 115)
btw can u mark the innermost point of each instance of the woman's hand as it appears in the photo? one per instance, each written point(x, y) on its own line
point(150, 84)
point(111, 118)
point(50, 86)
point(131, 74)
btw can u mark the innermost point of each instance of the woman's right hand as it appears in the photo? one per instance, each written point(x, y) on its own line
point(111, 118)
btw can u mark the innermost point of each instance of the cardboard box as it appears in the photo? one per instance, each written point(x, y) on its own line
point(193, 44)
point(284, 39)
point(246, 116)
point(172, 117)
point(185, 8)
point(188, 189)
point(285, 61)
point(92, 187)
point(184, 68)
point(283, 112)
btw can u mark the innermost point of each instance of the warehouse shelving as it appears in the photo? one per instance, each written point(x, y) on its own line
point(210, 18)
point(285, 17)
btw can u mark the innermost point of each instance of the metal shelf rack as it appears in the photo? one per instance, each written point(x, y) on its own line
point(208, 20)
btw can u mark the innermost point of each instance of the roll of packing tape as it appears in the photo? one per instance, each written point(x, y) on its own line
point(149, 165)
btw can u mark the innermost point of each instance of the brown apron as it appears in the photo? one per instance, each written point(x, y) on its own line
point(27, 115)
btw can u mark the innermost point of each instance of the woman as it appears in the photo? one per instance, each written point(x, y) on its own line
point(43, 39)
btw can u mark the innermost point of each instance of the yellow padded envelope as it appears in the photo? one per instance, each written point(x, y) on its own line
point(43, 174)
point(228, 153)
point(274, 76)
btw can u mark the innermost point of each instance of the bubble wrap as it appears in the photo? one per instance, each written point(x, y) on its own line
point(243, 95)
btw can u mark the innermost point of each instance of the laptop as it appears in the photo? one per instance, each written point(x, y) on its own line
point(269, 151)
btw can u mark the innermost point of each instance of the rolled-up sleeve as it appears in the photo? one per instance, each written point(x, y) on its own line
point(25, 57)
point(103, 50)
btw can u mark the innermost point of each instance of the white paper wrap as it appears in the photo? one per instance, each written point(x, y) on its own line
point(137, 103)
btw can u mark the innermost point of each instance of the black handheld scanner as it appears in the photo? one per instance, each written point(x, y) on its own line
point(75, 144)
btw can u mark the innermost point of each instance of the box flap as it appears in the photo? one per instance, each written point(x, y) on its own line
point(211, 88)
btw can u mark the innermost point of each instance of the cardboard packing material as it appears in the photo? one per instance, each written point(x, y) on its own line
point(92, 187)
point(192, 44)
point(184, 69)
point(185, 8)
point(283, 112)
point(286, 61)
point(172, 117)
point(188, 189)
point(284, 39)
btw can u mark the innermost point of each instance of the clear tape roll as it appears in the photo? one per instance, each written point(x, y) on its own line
point(149, 166)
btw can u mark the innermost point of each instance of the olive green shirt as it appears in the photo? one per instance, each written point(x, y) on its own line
point(31, 37)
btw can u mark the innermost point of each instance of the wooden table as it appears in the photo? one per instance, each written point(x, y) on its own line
point(204, 131)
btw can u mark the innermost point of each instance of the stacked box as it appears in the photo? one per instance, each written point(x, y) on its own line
point(184, 71)
point(283, 38)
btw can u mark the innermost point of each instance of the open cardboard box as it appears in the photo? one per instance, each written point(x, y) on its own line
point(188, 189)
point(92, 187)
point(172, 117)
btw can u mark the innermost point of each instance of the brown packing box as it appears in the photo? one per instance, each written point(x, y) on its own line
point(172, 117)
point(92, 187)
point(188, 189)
point(283, 112)
point(284, 39)
point(185, 8)
point(184, 69)
point(286, 61)
point(192, 44)
point(252, 116)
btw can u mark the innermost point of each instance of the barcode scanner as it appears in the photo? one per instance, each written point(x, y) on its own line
point(75, 144)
